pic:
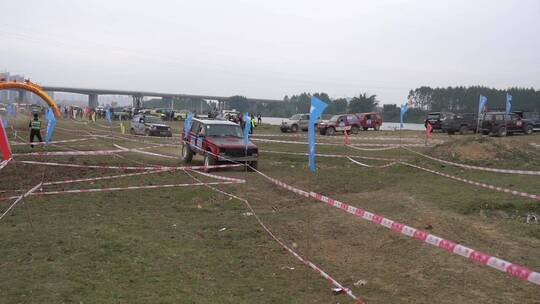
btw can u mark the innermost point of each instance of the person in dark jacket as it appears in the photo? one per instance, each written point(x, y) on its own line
point(35, 129)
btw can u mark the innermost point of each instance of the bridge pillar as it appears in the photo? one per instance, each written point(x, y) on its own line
point(137, 103)
point(93, 101)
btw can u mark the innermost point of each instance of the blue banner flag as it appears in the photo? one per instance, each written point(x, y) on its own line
point(11, 110)
point(51, 123)
point(508, 103)
point(482, 104)
point(315, 111)
point(187, 124)
point(403, 109)
point(108, 115)
point(247, 128)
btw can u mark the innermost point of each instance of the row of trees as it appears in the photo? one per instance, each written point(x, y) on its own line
point(465, 99)
point(421, 100)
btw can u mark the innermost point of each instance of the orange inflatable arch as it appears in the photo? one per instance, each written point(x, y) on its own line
point(31, 87)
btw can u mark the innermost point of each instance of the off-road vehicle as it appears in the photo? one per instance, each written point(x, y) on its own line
point(461, 122)
point(502, 124)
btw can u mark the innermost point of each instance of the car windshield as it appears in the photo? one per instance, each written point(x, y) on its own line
point(296, 117)
point(223, 130)
point(152, 120)
point(434, 116)
point(335, 118)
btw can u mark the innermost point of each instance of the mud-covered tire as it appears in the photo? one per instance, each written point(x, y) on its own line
point(463, 130)
point(294, 128)
point(528, 130)
point(331, 131)
point(209, 160)
point(187, 154)
point(322, 131)
point(502, 132)
point(365, 128)
point(377, 127)
point(355, 130)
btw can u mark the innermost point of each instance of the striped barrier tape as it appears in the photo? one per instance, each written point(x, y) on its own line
point(4, 163)
point(371, 166)
point(128, 167)
point(336, 144)
point(509, 171)
point(20, 198)
point(140, 151)
point(450, 246)
point(351, 136)
point(483, 185)
point(303, 260)
point(125, 188)
point(91, 179)
point(231, 179)
point(372, 149)
point(329, 155)
point(52, 142)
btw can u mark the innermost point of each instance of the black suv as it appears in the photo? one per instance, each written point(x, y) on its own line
point(501, 124)
point(533, 117)
point(461, 122)
point(436, 119)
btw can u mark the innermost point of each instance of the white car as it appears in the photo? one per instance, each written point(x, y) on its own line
point(150, 126)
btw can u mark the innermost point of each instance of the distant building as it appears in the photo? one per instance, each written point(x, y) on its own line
point(11, 96)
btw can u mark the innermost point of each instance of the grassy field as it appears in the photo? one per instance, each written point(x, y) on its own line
point(195, 245)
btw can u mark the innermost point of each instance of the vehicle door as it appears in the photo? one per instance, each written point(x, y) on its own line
point(304, 122)
point(194, 140)
point(141, 125)
point(341, 123)
point(352, 120)
point(135, 124)
point(514, 122)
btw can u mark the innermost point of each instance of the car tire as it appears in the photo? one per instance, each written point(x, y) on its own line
point(451, 132)
point(355, 129)
point(294, 128)
point(331, 131)
point(365, 128)
point(209, 160)
point(529, 130)
point(463, 130)
point(501, 132)
point(377, 127)
point(187, 154)
point(283, 130)
point(322, 131)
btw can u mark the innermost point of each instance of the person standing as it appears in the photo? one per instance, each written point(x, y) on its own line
point(253, 125)
point(259, 118)
point(35, 129)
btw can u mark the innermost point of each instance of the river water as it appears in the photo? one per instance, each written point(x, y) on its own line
point(387, 126)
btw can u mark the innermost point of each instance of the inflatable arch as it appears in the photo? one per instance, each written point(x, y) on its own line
point(31, 87)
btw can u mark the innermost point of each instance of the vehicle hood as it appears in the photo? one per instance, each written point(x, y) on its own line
point(228, 141)
point(156, 125)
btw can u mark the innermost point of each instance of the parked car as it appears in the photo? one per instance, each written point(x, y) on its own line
point(121, 112)
point(295, 123)
point(168, 114)
point(218, 141)
point(501, 124)
point(149, 125)
point(461, 122)
point(533, 117)
point(436, 119)
point(370, 120)
point(338, 123)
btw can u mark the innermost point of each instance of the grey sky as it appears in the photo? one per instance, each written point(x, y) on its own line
point(267, 49)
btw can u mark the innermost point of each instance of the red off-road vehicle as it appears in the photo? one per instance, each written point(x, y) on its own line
point(338, 123)
point(370, 120)
point(218, 141)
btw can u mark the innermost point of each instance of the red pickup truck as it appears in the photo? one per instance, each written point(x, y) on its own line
point(218, 141)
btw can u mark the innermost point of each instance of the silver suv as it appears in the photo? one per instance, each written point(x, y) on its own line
point(150, 126)
point(295, 123)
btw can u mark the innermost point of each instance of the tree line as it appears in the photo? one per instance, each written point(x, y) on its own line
point(421, 101)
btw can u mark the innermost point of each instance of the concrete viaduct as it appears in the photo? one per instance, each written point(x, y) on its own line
point(138, 96)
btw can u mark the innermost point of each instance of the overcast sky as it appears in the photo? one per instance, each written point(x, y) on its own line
point(272, 48)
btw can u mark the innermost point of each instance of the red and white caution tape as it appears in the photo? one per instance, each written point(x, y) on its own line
point(231, 179)
point(140, 151)
point(453, 247)
point(92, 179)
point(509, 171)
point(4, 163)
point(336, 144)
point(72, 153)
point(52, 142)
point(351, 136)
point(20, 198)
point(372, 149)
point(330, 155)
point(129, 188)
point(128, 167)
point(371, 166)
point(483, 185)
point(304, 261)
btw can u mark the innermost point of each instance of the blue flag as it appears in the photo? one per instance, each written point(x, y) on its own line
point(315, 111)
point(187, 124)
point(403, 109)
point(108, 115)
point(508, 103)
point(247, 128)
point(11, 110)
point(51, 123)
point(482, 103)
